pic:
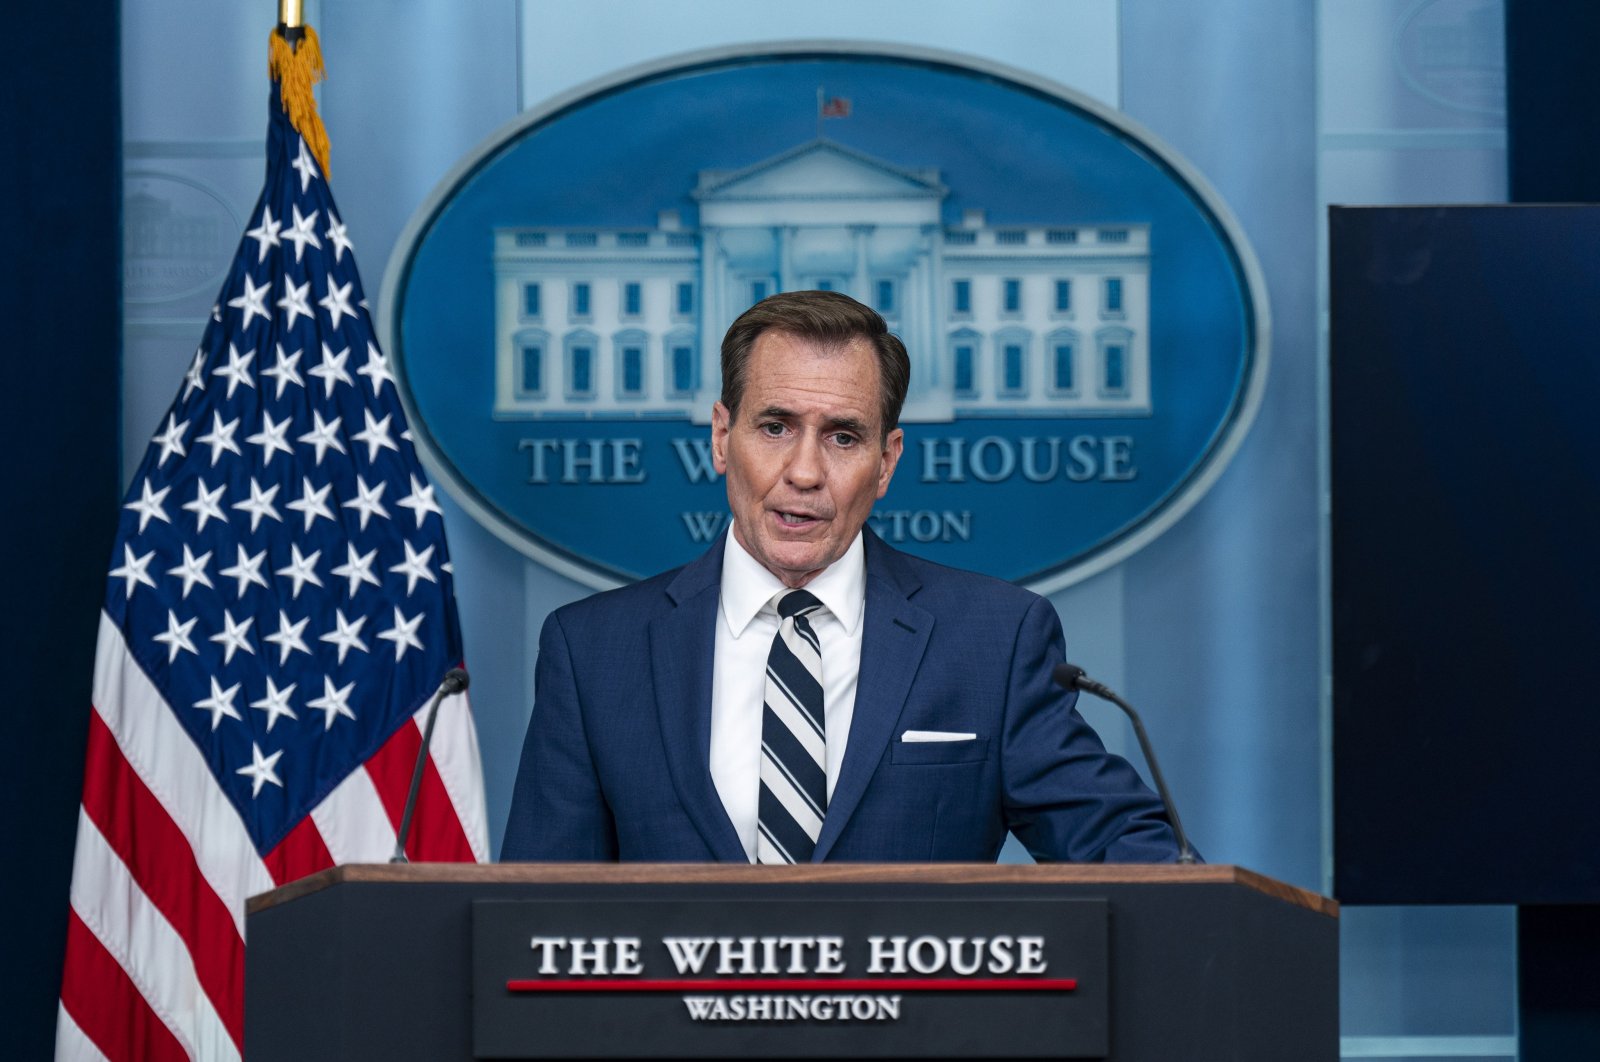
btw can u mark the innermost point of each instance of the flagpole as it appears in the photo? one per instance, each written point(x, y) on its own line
point(291, 20)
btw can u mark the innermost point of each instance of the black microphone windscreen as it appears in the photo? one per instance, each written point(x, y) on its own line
point(455, 680)
point(1067, 676)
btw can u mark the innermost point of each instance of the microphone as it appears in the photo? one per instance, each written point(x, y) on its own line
point(1072, 677)
point(455, 681)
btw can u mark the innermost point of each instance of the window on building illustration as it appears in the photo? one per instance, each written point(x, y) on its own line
point(1113, 294)
point(1011, 295)
point(580, 299)
point(580, 370)
point(632, 298)
point(631, 376)
point(961, 296)
point(1061, 375)
point(1013, 365)
point(1063, 296)
point(532, 381)
point(681, 364)
point(1116, 369)
point(530, 300)
point(758, 291)
point(684, 304)
point(965, 370)
point(885, 296)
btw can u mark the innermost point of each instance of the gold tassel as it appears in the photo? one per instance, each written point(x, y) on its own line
point(296, 70)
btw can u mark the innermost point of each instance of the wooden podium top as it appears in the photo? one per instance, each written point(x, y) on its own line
point(818, 873)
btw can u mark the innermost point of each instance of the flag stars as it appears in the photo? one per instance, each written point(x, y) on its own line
point(368, 501)
point(220, 703)
point(220, 437)
point(376, 369)
point(420, 500)
point(346, 635)
point(253, 302)
point(305, 165)
point(237, 371)
point(259, 503)
point(296, 301)
point(300, 233)
point(404, 633)
point(301, 570)
point(332, 370)
point(285, 370)
point(337, 301)
point(376, 435)
point(260, 771)
point(265, 234)
point(339, 237)
point(415, 567)
point(323, 436)
point(357, 568)
point(194, 380)
point(288, 637)
point(246, 570)
point(170, 439)
point(133, 571)
point(204, 506)
point(192, 570)
point(276, 703)
point(149, 505)
point(176, 638)
point(313, 503)
point(233, 637)
point(333, 703)
point(271, 437)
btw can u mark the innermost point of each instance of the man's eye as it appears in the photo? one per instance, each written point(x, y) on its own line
point(844, 438)
point(771, 428)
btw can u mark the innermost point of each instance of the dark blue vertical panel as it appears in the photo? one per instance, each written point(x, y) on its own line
point(59, 308)
point(1552, 101)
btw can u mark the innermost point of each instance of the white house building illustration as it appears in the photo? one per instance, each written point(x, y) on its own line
point(1000, 320)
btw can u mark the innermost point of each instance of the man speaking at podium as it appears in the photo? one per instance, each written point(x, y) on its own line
point(804, 692)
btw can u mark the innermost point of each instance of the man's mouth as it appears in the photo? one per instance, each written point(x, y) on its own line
point(792, 519)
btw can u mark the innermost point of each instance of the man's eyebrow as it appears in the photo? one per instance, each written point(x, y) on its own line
point(850, 424)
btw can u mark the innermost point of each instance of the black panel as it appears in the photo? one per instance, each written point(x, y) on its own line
point(59, 481)
point(1465, 435)
point(1552, 101)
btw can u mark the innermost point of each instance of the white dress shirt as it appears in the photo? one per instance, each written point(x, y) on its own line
point(747, 621)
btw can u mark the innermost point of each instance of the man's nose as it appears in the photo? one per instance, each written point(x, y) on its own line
point(806, 469)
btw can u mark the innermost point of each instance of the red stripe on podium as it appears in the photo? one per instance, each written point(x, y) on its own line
point(882, 984)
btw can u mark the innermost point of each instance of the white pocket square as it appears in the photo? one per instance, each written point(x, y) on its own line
point(935, 735)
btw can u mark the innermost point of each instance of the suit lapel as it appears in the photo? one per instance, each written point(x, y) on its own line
point(682, 649)
point(892, 644)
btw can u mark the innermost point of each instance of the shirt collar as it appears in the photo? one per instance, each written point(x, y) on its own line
point(747, 587)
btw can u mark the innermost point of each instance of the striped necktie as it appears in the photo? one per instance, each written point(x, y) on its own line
point(794, 750)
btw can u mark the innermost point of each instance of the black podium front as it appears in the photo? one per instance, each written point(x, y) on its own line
point(1131, 963)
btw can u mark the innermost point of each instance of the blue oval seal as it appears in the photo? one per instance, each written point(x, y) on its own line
point(1086, 322)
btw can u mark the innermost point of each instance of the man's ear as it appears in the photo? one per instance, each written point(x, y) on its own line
point(721, 420)
point(892, 448)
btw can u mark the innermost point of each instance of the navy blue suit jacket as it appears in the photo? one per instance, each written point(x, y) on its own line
point(616, 761)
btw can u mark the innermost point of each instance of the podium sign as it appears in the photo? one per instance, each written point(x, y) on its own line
point(819, 977)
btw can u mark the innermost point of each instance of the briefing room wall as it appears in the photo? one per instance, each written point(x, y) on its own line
point(415, 85)
point(1213, 629)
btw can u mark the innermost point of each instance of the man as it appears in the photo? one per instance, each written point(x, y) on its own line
point(802, 691)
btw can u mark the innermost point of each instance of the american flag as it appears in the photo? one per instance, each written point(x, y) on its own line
point(279, 612)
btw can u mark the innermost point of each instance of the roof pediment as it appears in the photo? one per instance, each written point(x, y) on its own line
point(820, 168)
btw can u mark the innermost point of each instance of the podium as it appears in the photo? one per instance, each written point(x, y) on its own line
point(1130, 963)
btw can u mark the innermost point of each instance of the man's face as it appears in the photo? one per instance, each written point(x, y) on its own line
point(806, 455)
